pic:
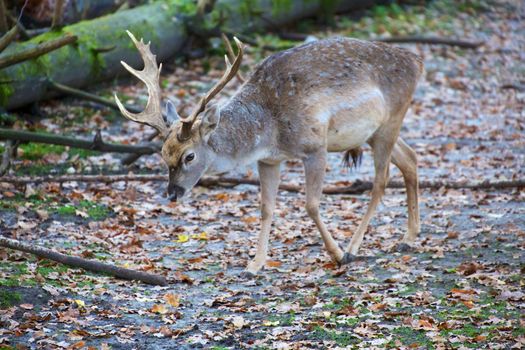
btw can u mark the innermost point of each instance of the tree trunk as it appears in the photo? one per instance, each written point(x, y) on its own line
point(162, 22)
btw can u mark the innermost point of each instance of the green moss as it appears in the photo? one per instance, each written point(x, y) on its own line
point(411, 337)
point(35, 151)
point(341, 338)
point(280, 6)
point(9, 298)
point(93, 210)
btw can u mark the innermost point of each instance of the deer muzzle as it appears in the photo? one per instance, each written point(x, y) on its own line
point(174, 192)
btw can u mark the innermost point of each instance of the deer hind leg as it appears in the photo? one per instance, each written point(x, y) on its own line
point(315, 166)
point(269, 177)
point(404, 158)
point(382, 143)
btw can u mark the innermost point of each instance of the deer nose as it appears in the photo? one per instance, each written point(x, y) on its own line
point(175, 192)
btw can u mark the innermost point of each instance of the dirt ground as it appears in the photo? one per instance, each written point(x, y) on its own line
point(462, 286)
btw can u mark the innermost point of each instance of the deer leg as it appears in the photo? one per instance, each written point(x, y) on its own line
point(404, 158)
point(269, 178)
point(314, 167)
point(382, 147)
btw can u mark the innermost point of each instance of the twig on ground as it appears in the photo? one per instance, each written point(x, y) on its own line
point(357, 187)
point(8, 37)
point(131, 158)
point(513, 86)
point(90, 265)
point(42, 49)
point(432, 40)
point(88, 96)
point(97, 144)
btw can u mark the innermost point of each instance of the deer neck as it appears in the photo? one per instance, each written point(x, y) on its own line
point(242, 135)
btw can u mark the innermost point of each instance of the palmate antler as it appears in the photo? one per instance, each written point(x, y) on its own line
point(152, 114)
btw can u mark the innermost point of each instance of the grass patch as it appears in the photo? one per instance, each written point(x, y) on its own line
point(36, 151)
point(413, 338)
point(93, 210)
point(9, 298)
point(341, 338)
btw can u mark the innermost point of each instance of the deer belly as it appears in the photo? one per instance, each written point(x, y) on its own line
point(352, 124)
point(351, 135)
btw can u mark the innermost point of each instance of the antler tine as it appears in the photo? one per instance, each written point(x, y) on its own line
point(228, 75)
point(149, 75)
point(230, 56)
point(231, 70)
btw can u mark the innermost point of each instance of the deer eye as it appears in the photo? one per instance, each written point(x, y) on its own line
point(189, 157)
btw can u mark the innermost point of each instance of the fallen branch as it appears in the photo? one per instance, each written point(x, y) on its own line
point(131, 158)
point(37, 51)
point(89, 265)
point(357, 187)
point(432, 40)
point(89, 97)
point(7, 38)
point(95, 145)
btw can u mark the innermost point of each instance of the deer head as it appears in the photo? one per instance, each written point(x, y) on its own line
point(185, 149)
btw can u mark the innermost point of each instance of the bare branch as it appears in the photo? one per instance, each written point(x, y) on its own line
point(90, 97)
point(37, 51)
point(357, 187)
point(90, 265)
point(8, 37)
point(95, 145)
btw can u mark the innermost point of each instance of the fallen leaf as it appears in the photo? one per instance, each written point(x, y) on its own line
point(172, 299)
point(159, 309)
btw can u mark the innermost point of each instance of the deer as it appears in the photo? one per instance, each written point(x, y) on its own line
point(330, 95)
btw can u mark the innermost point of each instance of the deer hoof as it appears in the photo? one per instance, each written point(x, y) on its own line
point(348, 258)
point(404, 247)
point(248, 275)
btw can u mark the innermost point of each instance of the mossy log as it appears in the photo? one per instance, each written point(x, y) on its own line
point(163, 23)
point(87, 62)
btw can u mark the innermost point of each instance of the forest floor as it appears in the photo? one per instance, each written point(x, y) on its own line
point(461, 287)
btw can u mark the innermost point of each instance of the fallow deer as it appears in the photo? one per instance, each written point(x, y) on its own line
point(330, 95)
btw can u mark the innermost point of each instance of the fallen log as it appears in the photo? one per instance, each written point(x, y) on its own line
point(162, 22)
point(89, 265)
point(357, 187)
point(97, 144)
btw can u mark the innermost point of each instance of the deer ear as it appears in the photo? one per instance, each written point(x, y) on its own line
point(209, 120)
point(170, 114)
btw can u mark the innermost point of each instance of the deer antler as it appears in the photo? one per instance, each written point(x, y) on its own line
point(152, 114)
point(231, 56)
point(231, 71)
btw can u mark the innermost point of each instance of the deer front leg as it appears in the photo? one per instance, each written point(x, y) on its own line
point(314, 167)
point(269, 178)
